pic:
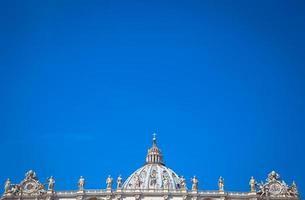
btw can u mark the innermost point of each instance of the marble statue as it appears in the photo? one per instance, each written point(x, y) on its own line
point(272, 176)
point(51, 183)
point(165, 183)
point(182, 182)
point(252, 184)
point(119, 182)
point(15, 189)
point(81, 183)
point(153, 178)
point(293, 190)
point(7, 186)
point(137, 181)
point(194, 183)
point(221, 184)
point(30, 175)
point(109, 181)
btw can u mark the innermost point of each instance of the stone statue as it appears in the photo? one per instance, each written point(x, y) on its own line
point(221, 184)
point(153, 178)
point(7, 186)
point(194, 183)
point(272, 176)
point(119, 182)
point(293, 190)
point(165, 183)
point(15, 189)
point(182, 182)
point(51, 183)
point(30, 175)
point(109, 181)
point(262, 189)
point(252, 184)
point(137, 181)
point(81, 183)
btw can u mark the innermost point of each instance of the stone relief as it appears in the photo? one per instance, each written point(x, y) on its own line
point(275, 187)
point(165, 180)
point(153, 178)
point(29, 186)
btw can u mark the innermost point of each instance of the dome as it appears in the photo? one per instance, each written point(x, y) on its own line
point(154, 174)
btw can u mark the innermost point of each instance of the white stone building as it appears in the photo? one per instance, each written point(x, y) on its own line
point(153, 181)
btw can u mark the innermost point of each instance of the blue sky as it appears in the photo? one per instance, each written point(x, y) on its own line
point(84, 85)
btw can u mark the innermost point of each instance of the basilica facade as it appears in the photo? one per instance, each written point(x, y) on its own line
point(153, 181)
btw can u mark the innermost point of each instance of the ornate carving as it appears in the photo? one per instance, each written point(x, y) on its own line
point(165, 197)
point(182, 183)
point(293, 190)
point(15, 189)
point(137, 196)
point(30, 175)
point(30, 185)
point(275, 187)
point(137, 181)
point(153, 178)
point(165, 183)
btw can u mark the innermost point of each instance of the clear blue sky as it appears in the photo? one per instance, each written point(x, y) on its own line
point(83, 86)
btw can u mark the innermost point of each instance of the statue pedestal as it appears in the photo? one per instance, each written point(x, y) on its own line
point(80, 195)
point(50, 192)
point(80, 192)
point(221, 191)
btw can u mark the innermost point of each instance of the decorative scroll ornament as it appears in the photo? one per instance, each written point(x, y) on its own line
point(29, 186)
point(275, 187)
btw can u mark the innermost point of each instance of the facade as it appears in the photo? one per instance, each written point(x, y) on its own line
point(153, 181)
